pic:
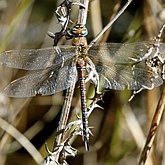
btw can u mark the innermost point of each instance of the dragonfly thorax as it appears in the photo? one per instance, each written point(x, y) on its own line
point(81, 46)
point(80, 63)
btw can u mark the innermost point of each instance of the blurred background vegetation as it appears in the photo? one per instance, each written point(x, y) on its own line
point(120, 128)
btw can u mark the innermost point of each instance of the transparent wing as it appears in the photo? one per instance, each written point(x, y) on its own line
point(120, 77)
point(44, 82)
point(114, 64)
point(120, 53)
point(34, 59)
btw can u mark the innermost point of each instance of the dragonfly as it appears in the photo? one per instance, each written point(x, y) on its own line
point(116, 66)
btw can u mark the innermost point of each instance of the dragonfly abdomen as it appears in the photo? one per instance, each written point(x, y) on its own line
point(81, 69)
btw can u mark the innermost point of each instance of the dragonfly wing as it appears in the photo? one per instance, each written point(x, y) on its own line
point(58, 80)
point(34, 59)
point(44, 82)
point(123, 52)
point(120, 77)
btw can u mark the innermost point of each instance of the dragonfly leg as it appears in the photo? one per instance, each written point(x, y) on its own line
point(92, 75)
point(154, 47)
point(57, 49)
point(63, 16)
point(137, 91)
point(134, 93)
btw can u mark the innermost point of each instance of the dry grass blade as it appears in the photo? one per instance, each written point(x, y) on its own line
point(22, 13)
point(154, 126)
point(22, 140)
point(110, 23)
point(115, 10)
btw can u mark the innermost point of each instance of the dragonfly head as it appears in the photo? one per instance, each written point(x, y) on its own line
point(77, 30)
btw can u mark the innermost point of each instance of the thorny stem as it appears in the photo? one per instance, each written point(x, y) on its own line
point(69, 94)
point(154, 126)
point(65, 112)
point(110, 23)
point(82, 16)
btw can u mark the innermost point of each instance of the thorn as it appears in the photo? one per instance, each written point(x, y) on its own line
point(90, 132)
point(132, 96)
point(98, 106)
point(86, 143)
point(47, 149)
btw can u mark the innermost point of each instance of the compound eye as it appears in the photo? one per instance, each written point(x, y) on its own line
point(84, 31)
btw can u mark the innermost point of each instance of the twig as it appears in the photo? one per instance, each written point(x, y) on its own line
point(82, 16)
point(69, 94)
point(65, 112)
point(110, 23)
point(154, 126)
